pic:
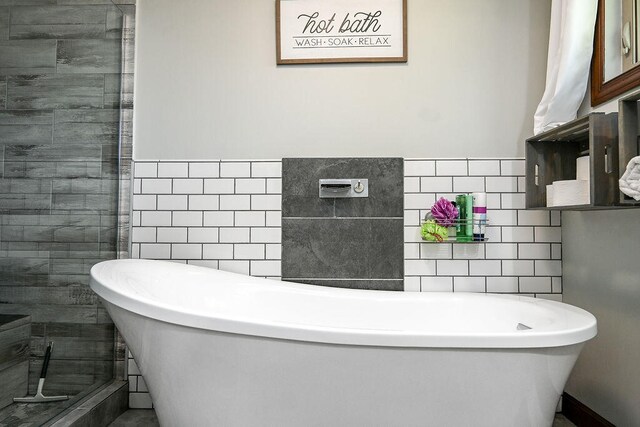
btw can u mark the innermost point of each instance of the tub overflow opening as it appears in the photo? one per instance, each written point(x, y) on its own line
point(522, 327)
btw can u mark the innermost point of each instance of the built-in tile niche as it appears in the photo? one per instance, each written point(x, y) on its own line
point(350, 243)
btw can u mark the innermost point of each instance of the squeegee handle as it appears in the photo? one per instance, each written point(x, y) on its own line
point(45, 365)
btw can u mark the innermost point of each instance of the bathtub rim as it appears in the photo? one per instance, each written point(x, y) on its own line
point(348, 336)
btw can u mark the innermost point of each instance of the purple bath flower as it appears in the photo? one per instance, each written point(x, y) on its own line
point(444, 212)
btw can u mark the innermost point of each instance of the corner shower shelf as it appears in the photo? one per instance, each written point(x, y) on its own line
point(452, 238)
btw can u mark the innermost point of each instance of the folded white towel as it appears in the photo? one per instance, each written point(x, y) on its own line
point(630, 181)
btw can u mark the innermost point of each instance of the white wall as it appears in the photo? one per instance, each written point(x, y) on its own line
point(599, 258)
point(207, 85)
point(599, 261)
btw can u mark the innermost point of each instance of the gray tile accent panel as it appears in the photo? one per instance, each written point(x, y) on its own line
point(342, 248)
point(27, 56)
point(300, 187)
point(89, 56)
point(55, 91)
point(379, 285)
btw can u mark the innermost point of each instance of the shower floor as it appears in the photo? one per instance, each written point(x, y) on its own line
point(38, 414)
point(31, 414)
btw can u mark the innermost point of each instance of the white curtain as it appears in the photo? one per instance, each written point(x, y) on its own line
point(569, 57)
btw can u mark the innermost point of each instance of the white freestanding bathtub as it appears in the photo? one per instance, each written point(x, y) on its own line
point(222, 349)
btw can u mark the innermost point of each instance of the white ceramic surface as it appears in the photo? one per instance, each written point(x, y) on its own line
point(218, 348)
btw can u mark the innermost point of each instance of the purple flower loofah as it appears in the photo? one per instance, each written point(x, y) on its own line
point(444, 212)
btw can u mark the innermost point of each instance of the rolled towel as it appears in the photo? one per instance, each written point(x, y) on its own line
point(630, 181)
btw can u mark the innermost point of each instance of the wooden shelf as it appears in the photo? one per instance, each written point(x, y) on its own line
point(551, 156)
point(629, 128)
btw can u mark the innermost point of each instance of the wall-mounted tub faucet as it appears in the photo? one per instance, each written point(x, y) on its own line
point(343, 188)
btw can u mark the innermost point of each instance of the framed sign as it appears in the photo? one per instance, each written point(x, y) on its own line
point(334, 31)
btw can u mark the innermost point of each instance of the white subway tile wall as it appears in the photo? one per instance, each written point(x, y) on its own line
point(522, 255)
point(227, 215)
point(209, 211)
point(219, 214)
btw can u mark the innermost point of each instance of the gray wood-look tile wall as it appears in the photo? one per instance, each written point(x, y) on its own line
point(353, 243)
point(66, 90)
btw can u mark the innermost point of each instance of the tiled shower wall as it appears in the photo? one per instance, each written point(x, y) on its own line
point(227, 215)
point(60, 119)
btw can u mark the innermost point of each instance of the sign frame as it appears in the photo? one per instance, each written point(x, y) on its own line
point(317, 26)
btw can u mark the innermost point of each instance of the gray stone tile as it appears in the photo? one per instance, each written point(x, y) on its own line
point(24, 265)
point(50, 153)
point(58, 15)
point(10, 219)
point(41, 169)
point(85, 2)
point(87, 203)
point(89, 56)
point(3, 92)
point(121, 22)
point(114, 83)
point(83, 186)
point(25, 186)
point(28, 2)
point(137, 418)
point(128, 57)
point(87, 127)
point(11, 233)
point(25, 134)
point(27, 56)
point(300, 187)
point(57, 31)
point(55, 91)
point(120, 3)
point(26, 117)
point(25, 203)
point(76, 235)
point(26, 127)
point(379, 285)
point(69, 220)
point(4, 23)
point(116, 96)
point(115, 23)
point(344, 249)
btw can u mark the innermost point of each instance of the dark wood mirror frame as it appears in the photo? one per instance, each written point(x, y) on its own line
point(602, 91)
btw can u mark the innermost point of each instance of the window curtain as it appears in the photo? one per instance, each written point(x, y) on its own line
point(568, 61)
